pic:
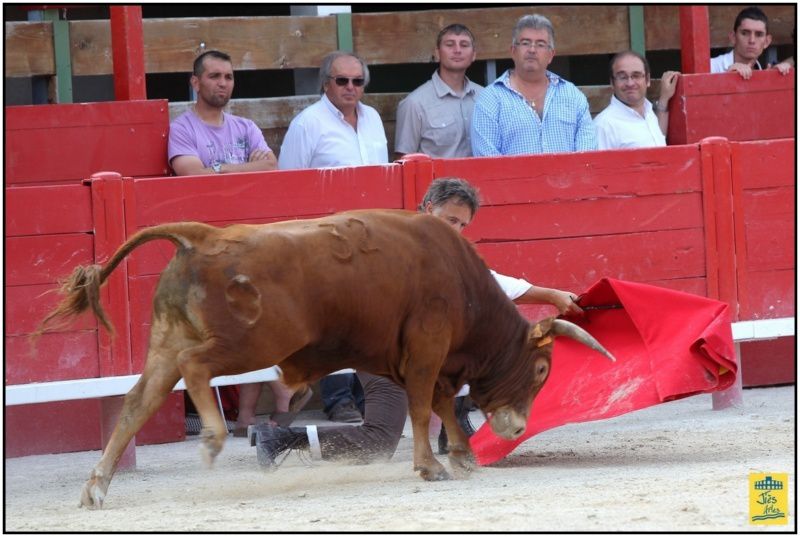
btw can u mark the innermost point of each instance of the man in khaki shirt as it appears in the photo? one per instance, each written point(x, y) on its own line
point(435, 118)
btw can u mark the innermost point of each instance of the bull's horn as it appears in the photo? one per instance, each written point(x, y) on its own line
point(565, 328)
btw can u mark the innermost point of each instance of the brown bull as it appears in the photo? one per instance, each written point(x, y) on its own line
point(393, 293)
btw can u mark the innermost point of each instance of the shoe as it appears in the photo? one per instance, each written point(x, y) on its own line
point(271, 441)
point(297, 403)
point(345, 413)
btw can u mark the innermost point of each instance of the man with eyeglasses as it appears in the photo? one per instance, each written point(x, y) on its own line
point(750, 37)
point(630, 120)
point(435, 118)
point(529, 109)
point(337, 130)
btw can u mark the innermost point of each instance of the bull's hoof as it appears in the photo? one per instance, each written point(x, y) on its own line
point(433, 474)
point(210, 446)
point(92, 494)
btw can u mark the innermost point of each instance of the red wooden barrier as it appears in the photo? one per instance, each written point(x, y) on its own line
point(764, 187)
point(723, 104)
point(52, 227)
point(47, 232)
point(65, 143)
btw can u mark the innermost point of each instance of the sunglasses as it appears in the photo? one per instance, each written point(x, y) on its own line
point(343, 80)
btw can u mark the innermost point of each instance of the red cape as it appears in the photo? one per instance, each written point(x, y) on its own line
point(668, 345)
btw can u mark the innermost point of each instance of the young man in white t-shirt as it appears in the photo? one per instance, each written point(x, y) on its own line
point(749, 38)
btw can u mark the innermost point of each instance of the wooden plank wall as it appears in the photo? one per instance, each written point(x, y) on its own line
point(301, 41)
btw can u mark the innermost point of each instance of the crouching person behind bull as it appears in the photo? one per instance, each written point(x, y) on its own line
point(455, 201)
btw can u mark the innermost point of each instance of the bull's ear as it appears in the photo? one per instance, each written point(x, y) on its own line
point(539, 334)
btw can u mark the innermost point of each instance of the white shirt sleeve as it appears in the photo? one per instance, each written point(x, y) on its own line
point(297, 148)
point(720, 64)
point(512, 287)
point(604, 134)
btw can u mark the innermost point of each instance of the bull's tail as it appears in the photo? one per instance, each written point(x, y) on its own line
point(82, 287)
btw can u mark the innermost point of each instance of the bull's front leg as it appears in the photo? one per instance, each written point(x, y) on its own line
point(459, 451)
point(419, 386)
point(424, 462)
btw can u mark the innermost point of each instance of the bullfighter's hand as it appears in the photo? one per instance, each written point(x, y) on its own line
point(567, 305)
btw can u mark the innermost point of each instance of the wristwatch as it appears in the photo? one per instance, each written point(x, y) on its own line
point(217, 167)
point(658, 108)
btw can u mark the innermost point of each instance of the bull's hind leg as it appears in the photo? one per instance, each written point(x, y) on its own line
point(458, 449)
point(159, 377)
point(198, 365)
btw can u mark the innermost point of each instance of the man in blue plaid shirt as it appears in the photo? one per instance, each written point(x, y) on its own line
point(528, 109)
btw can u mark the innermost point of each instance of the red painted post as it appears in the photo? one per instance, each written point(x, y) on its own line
point(720, 150)
point(109, 234)
point(417, 171)
point(114, 352)
point(740, 234)
point(695, 39)
point(127, 45)
point(717, 150)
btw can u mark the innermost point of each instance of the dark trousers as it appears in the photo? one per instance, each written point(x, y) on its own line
point(340, 389)
point(386, 407)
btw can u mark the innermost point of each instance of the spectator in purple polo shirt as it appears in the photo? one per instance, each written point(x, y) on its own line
point(205, 139)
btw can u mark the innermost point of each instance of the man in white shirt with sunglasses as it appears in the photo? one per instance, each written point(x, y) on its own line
point(337, 130)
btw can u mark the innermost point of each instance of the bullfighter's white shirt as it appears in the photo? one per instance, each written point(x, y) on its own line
point(319, 137)
point(512, 287)
point(621, 127)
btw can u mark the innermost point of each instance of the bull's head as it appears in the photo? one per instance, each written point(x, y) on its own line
point(509, 420)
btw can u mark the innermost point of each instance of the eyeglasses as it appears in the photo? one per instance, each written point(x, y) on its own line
point(538, 45)
point(624, 77)
point(343, 81)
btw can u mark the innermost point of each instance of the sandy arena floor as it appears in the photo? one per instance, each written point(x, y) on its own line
point(676, 467)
